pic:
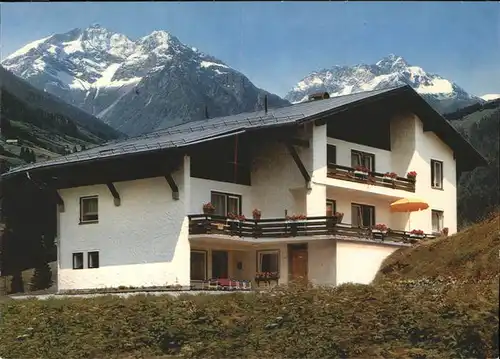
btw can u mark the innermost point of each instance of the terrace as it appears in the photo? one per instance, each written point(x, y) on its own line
point(262, 230)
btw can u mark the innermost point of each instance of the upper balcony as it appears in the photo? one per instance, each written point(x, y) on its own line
point(385, 180)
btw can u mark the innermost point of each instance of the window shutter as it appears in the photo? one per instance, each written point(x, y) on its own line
point(441, 174)
point(433, 173)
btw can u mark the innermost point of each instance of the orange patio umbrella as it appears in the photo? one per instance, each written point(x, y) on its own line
point(409, 205)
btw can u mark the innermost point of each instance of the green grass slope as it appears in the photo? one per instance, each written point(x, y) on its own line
point(407, 313)
point(469, 256)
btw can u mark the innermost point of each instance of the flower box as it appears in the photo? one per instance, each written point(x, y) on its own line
point(412, 176)
point(379, 231)
point(208, 208)
point(360, 174)
point(417, 234)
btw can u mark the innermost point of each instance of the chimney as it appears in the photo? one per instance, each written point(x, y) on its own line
point(206, 112)
point(265, 103)
point(319, 96)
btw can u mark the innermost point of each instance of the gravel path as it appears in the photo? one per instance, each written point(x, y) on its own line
point(121, 295)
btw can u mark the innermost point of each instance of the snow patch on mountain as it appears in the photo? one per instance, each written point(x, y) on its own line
point(27, 48)
point(208, 64)
point(107, 76)
point(71, 47)
point(490, 97)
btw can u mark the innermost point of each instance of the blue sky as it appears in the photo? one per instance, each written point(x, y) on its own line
point(278, 43)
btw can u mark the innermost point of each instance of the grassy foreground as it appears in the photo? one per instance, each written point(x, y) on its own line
point(438, 300)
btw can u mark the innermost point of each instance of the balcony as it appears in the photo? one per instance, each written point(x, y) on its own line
point(275, 228)
point(371, 178)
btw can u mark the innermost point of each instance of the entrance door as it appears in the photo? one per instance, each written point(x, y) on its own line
point(220, 264)
point(298, 262)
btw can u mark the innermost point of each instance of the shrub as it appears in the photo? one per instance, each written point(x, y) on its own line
point(297, 322)
point(42, 277)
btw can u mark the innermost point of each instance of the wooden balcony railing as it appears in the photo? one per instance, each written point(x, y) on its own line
point(373, 178)
point(283, 228)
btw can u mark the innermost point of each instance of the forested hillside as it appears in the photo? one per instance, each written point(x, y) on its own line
point(37, 126)
point(478, 192)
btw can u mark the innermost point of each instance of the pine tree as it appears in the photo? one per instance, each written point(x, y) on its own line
point(32, 156)
point(75, 149)
point(42, 276)
point(17, 283)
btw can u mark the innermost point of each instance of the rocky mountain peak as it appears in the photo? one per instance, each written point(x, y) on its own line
point(135, 85)
point(390, 71)
point(392, 63)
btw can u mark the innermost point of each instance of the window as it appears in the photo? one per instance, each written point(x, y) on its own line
point(331, 155)
point(437, 221)
point(331, 207)
point(359, 158)
point(216, 160)
point(362, 215)
point(78, 260)
point(93, 259)
point(225, 203)
point(88, 209)
point(268, 261)
point(198, 265)
point(436, 174)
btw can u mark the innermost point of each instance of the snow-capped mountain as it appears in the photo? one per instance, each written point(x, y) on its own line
point(490, 97)
point(139, 85)
point(390, 71)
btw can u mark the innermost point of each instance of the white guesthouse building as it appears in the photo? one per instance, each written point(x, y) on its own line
point(131, 212)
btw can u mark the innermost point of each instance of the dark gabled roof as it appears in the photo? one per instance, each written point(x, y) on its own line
point(206, 130)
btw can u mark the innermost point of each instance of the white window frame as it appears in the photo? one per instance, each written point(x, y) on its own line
point(359, 208)
point(227, 196)
point(437, 179)
point(440, 220)
point(205, 272)
point(260, 255)
point(362, 156)
point(82, 214)
point(73, 257)
point(89, 261)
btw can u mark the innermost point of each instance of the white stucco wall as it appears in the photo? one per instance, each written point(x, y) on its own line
point(345, 199)
point(430, 147)
point(277, 184)
point(142, 242)
point(360, 262)
point(412, 150)
point(202, 188)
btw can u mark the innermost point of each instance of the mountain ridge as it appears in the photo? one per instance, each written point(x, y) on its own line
point(129, 84)
point(390, 71)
